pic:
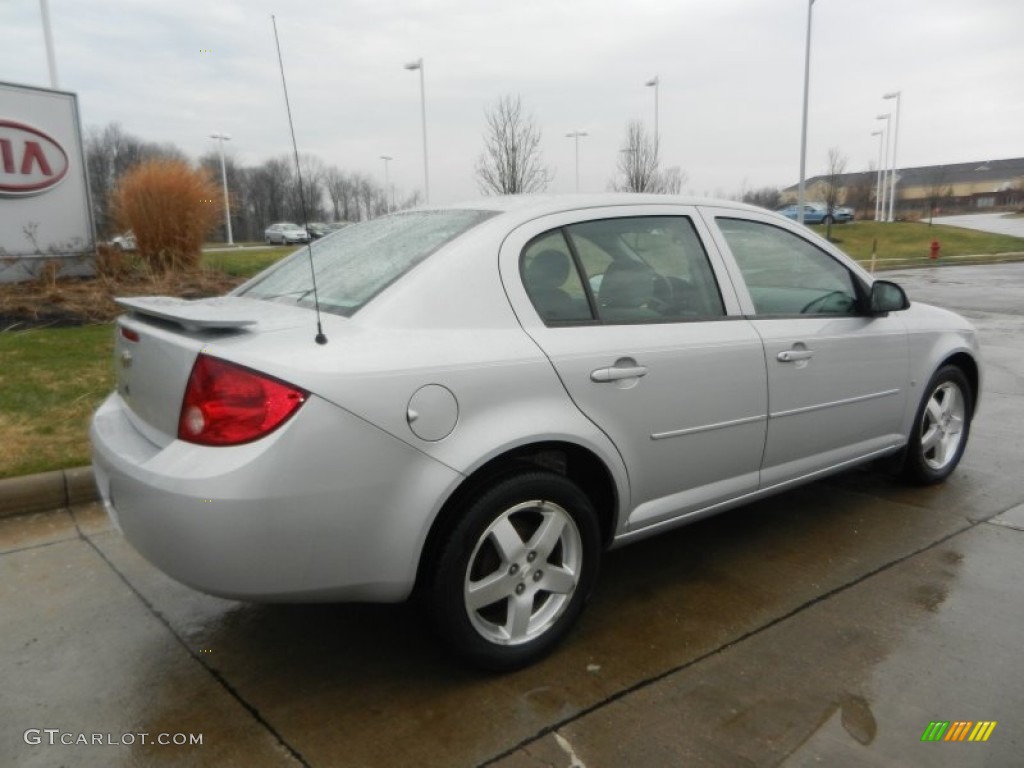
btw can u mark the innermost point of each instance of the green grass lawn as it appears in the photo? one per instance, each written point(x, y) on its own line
point(51, 381)
point(903, 243)
point(245, 263)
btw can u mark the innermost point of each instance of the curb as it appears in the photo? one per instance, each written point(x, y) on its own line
point(983, 260)
point(47, 491)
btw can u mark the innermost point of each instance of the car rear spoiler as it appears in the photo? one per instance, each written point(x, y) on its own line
point(221, 313)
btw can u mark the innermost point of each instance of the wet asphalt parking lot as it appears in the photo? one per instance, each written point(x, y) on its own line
point(825, 626)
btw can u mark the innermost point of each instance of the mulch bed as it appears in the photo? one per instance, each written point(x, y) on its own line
point(85, 301)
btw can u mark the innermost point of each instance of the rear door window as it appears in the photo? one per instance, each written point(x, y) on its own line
point(621, 270)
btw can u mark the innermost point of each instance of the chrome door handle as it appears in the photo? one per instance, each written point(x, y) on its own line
point(794, 355)
point(602, 375)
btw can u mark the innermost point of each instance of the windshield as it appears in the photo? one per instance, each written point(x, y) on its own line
point(359, 261)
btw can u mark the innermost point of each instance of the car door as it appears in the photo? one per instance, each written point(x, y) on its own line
point(650, 345)
point(837, 376)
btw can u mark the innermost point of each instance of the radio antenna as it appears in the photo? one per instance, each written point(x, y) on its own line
point(320, 338)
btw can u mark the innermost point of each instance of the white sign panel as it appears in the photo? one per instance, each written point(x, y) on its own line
point(45, 214)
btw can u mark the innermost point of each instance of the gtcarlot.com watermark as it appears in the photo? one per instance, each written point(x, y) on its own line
point(55, 736)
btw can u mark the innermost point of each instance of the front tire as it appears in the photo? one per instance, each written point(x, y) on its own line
point(515, 571)
point(941, 429)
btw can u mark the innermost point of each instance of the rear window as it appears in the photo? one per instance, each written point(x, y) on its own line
point(356, 263)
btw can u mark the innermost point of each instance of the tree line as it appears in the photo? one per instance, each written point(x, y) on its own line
point(259, 195)
point(510, 163)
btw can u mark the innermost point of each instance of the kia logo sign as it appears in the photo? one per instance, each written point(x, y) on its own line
point(30, 161)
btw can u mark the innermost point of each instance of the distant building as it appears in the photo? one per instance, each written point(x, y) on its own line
point(988, 185)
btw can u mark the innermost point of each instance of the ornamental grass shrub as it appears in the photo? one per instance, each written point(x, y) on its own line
point(171, 207)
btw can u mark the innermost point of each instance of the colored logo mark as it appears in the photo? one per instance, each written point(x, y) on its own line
point(958, 730)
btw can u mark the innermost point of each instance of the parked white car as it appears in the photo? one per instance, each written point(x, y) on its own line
point(124, 241)
point(486, 417)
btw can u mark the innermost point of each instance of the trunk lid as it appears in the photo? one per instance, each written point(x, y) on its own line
point(157, 342)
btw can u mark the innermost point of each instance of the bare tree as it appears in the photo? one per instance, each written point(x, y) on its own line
point(511, 161)
point(336, 187)
point(638, 162)
point(638, 166)
point(309, 198)
point(671, 180)
point(832, 189)
point(275, 178)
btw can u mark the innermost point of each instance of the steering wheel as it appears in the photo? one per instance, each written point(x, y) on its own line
point(823, 299)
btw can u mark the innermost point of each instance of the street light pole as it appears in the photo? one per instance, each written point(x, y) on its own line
point(878, 182)
point(655, 82)
point(51, 59)
point(414, 65)
point(221, 138)
point(387, 159)
point(885, 183)
point(576, 135)
point(801, 195)
point(895, 140)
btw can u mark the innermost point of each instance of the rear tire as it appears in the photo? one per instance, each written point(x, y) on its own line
point(941, 428)
point(515, 571)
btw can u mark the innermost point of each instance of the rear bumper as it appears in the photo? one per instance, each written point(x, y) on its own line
point(326, 508)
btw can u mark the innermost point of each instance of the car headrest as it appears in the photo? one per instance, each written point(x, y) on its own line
point(549, 269)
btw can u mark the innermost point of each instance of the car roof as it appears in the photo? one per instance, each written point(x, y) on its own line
point(539, 205)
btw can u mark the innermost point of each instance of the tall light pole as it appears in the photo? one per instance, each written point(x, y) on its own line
point(654, 82)
point(51, 59)
point(878, 183)
point(387, 185)
point(801, 196)
point(221, 138)
point(576, 135)
point(895, 140)
point(888, 118)
point(413, 65)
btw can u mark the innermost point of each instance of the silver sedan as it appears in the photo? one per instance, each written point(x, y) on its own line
point(475, 402)
point(285, 233)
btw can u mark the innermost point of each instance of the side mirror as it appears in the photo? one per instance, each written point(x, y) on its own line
point(887, 297)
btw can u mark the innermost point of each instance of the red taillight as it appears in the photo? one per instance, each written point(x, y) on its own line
point(226, 404)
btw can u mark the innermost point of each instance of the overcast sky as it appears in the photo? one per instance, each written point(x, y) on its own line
point(731, 74)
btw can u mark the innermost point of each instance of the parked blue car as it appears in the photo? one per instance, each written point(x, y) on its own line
point(816, 213)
